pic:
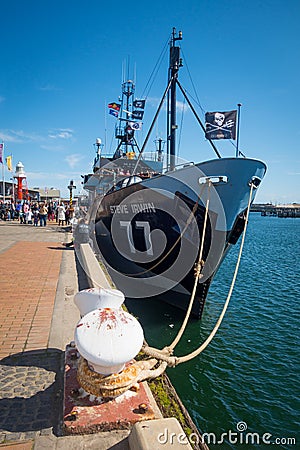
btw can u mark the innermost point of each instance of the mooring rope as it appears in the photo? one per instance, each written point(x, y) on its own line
point(165, 353)
point(116, 384)
point(199, 267)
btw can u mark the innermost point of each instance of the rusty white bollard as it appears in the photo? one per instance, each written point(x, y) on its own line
point(106, 337)
point(94, 298)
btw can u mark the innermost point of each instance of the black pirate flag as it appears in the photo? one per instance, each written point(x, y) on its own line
point(220, 125)
point(137, 114)
point(139, 103)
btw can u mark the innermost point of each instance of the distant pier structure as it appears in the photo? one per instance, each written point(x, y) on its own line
point(268, 209)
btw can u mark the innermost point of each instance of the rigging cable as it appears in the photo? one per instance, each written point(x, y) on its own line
point(181, 127)
point(154, 72)
point(197, 101)
point(190, 76)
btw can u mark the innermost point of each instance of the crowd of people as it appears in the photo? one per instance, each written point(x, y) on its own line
point(36, 213)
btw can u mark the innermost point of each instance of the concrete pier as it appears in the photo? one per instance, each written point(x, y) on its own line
point(285, 211)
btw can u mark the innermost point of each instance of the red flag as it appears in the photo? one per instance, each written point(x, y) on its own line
point(115, 106)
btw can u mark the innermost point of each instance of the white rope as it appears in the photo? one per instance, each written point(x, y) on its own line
point(174, 360)
point(199, 267)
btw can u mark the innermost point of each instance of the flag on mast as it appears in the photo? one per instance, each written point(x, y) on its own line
point(1, 153)
point(113, 112)
point(135, 125)
point(114, 109)
point(115, 106)
point(137, 114)
point(220, 125)
point(9, 163)
point(139, 104)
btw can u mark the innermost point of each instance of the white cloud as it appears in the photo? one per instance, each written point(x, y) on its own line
point(181, 106)
point(48, 87)
point(62, 133)
point(20, 136)
point(154, 102)
point(41, 176)
point(53, 148)
point(73, 160)
point(6, 136)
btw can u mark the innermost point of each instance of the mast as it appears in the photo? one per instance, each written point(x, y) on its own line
point(122, 131)
point(128, 89)
point(175, 64)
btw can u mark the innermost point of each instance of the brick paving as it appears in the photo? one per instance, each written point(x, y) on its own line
point(28, 279)
point(30, 370)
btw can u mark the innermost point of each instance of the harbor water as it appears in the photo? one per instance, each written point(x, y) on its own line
point(243, 390)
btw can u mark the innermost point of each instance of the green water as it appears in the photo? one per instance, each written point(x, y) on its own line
point(247, 380)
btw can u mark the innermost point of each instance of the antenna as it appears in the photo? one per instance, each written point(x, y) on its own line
point(134, 74)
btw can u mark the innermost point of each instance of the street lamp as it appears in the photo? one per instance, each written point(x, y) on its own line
point(71, 187)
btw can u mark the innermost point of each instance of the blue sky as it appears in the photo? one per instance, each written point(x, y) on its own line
point(61, 63)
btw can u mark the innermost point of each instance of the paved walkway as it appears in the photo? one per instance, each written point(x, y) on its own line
point(28, 281)
point(38, 279)
point(30, 371)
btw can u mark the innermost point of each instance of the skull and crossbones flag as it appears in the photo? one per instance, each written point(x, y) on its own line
point(220, 125)
point(139, 103)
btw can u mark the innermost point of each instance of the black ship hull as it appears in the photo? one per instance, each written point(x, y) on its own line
point(149, 233)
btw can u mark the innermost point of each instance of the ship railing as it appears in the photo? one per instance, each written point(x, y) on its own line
point(150, 156)
point(184, 165)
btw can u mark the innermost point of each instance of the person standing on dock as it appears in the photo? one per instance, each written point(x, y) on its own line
point(43, 211)
point(61, 214)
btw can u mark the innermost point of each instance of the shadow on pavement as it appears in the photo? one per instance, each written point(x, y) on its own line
point(31, 395)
